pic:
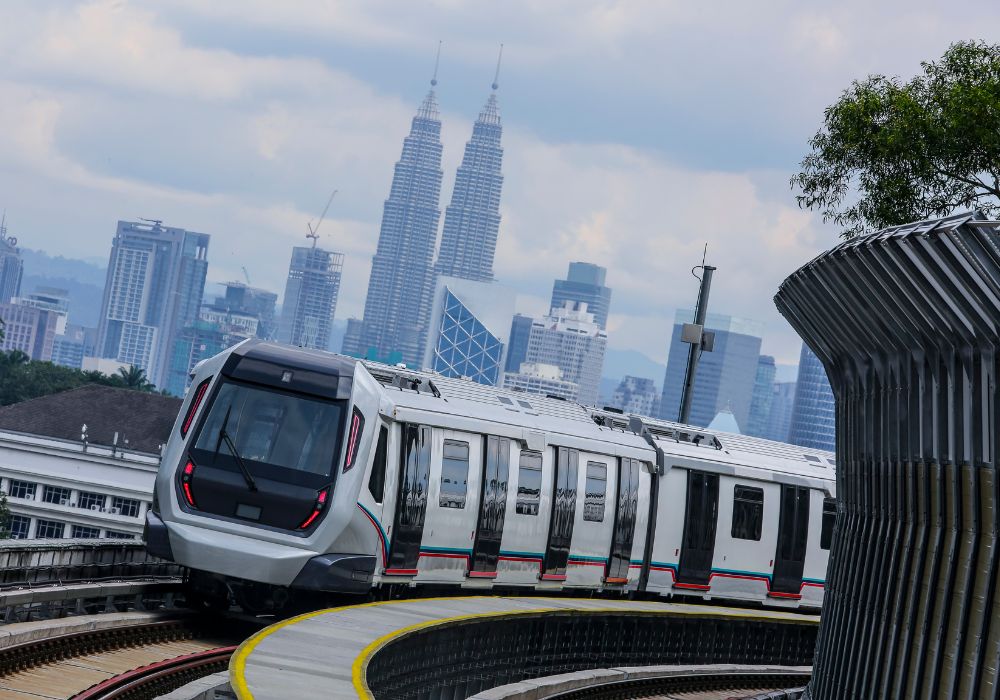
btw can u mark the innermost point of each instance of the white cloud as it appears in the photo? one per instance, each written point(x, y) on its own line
point(237, 118)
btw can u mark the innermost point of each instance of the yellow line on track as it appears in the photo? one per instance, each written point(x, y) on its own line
point(237, 666)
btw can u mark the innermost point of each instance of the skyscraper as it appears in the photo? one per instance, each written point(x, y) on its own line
point(11, 267)
point(242, 299)
point(636, 395)
point(402, 275)
point(310, 297)
point(472, 220)
point(570, 339)
point(780, 418)
point(30, 329)
point(154, 288)
point(725, 376)
point(517, 342)
point(813, 416)
point(585, 282)
point(468, 329)
point(763, 394)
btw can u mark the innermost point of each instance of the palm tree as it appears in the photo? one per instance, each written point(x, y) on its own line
point(134, 378)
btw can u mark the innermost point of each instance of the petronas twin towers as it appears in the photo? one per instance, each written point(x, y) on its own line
point(404, 271)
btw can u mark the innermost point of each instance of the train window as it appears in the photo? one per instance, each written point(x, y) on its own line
point(597, 484)
point(748, 513)
point(376, 482)
point(454, 474)
point(529, 483)
point(829, 519)
point(266, 427)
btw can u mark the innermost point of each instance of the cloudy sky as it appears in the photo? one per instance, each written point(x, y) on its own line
point(634, 132)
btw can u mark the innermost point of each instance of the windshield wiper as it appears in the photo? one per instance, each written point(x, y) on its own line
point(224, 436)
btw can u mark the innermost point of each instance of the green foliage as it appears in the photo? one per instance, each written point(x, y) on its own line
point(892, 152)
point(4, 517)
point(22, 378)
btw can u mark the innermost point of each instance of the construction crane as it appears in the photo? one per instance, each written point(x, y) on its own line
point(313, 229)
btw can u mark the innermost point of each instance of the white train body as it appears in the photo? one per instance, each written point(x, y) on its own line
point(354, 475)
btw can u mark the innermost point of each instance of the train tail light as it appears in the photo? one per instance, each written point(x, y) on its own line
point(353, 438)
point(186, 477)
point(318, 507)
point(199, 395)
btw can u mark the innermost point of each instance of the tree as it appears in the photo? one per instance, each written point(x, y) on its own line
point(891, 152)
point(134, 378)
point(22, 378)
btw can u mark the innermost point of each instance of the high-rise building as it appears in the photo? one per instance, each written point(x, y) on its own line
point(813, 417)
point(472, 220)
point(468, 329)
point(517, 342)
point(351, 343)
point(540, 378)
point(310, 297)
point(244, 300)
point(780, 418)
point(636, 395)
point(11, 267)
point(725, 377)
point(402, 276)
point(75, 343)
point(154, 288)
point(570, 339)
point(763, 394)
point(30, 329)
point(585, 282)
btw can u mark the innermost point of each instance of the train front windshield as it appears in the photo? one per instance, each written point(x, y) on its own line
point(277, 435)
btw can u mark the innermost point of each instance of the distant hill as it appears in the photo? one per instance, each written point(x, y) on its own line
point(83, 280)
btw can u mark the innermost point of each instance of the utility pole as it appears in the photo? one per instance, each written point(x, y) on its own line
point(695, 335)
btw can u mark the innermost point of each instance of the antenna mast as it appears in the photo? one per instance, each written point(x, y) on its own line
point(437, 62)
point(496, 76)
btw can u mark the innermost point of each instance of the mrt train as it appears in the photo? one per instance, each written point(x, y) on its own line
point(291, 471)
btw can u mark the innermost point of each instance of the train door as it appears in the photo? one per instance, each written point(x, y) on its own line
point(793, 534)
point(620, 556)
point(567, 463)
point(492, 507)
point(700, 518)
point(413, 483)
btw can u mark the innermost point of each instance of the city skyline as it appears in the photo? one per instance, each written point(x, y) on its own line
point(623, 169)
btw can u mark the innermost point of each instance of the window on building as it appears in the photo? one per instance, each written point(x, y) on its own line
point(84, 532)
point(454, 474)
point(829, 520)
point(50, 529)
point(129, 507)
point(748, 513)
point(597, 484)
point(90, 501)
point(56, 494)
point(529, 483)
point(115, 535)
point(22, 489)
point(376, 482)
point(20, 526)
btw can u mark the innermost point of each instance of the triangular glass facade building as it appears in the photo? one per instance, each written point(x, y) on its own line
point(465, 347)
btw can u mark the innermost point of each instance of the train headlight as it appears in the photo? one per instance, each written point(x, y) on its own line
point(318, 507)
point(186, 477)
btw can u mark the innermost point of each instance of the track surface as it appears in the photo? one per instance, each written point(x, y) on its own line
point(66, 678)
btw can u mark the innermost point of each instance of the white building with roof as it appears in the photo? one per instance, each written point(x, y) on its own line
point(538, 378)
point(569, 338)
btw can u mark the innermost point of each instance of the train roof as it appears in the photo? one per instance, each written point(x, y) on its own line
point(432, 392)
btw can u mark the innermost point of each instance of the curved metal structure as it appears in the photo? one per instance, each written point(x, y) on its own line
point(907, 324)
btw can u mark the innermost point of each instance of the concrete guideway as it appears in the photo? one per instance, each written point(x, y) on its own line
point(335, 653)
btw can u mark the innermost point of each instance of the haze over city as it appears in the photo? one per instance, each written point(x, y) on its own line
point(645, 131)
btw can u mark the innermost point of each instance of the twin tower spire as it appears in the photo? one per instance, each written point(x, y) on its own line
point(404, 271)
